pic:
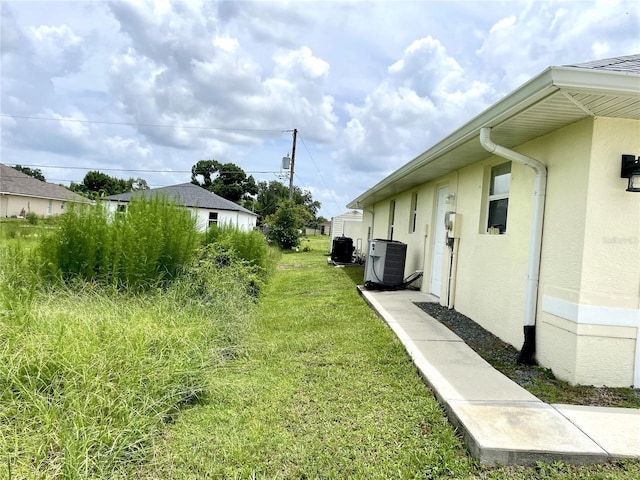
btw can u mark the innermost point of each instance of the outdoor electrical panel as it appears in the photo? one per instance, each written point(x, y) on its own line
point(385, 263)
point(452, 224)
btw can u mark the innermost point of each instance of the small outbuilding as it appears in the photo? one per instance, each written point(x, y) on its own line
point(348, 224)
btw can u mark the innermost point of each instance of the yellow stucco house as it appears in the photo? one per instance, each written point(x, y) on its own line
point(21, 194)
point(526, 220)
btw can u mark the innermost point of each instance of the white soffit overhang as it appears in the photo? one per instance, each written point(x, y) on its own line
point(557, 97)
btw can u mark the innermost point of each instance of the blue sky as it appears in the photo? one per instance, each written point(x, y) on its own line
point(146, 89)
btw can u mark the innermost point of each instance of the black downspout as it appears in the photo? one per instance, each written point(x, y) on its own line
point(525, 357)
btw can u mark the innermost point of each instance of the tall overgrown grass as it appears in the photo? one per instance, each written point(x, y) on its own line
point(89, 378)
point(94, 366)
point(145, 246)
point(249, 246)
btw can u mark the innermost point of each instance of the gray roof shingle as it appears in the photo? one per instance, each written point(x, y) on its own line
point(14, 182)
point(625, 64)
point(186, 194)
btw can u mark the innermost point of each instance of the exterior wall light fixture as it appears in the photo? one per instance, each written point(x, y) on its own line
point(631, 169)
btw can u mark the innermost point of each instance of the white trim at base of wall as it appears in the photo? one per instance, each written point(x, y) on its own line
point(597, 315)
point(591, 314)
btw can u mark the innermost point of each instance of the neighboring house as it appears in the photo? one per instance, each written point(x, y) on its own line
point(21, 194)
point(325, 228)
point(207, 207)
point(322, 229)
point(541, 234)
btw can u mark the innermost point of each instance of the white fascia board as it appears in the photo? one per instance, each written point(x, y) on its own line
point(596, 81)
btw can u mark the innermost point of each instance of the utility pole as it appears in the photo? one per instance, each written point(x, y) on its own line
point(293, 159)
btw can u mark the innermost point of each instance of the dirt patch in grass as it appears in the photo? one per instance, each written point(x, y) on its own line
point(539, 381)
point(288, 266)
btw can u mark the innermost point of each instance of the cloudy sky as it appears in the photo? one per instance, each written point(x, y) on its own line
point(148, 88)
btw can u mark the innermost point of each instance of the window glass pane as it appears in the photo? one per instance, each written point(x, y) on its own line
point(500, 179)
point(392, 217)
point(498, 214)
point(414, 213)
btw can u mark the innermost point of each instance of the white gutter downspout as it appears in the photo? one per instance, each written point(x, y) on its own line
point(533, 269)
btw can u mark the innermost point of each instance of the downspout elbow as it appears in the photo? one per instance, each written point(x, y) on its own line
point(485, 140)
point(492, 147)
point(533, 270)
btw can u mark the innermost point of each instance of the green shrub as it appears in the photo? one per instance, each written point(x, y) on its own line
point(218, 268)
point(146, 246)
point(286, 224)
point(32, 218)
point(251, 246)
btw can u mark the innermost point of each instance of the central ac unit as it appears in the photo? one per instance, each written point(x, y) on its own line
point(385, 263)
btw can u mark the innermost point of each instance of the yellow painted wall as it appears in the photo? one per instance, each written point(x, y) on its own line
point(591, 267)
point(419, 241)
point(40, 206)
point(611, 261)
point(492, 269)
point(566, 154)
point(590, 252)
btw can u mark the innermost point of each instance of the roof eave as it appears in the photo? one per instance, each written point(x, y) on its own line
point(533, 89)
point(71, 198)
point(546, 83)
point(596, 81)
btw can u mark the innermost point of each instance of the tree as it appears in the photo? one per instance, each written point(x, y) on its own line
point(137, 184)
point(96, 183)
point(272, 193)
point(269, 197)
point(32, 172)
point(227, 180)
point(286, 223)
point(304, 197)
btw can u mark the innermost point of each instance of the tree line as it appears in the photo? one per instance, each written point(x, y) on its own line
point(226, 180)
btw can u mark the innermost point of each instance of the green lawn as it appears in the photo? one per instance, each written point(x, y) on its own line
point(322, 389)
point(14, 231)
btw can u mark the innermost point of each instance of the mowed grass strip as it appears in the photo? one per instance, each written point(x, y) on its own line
point(322, 390)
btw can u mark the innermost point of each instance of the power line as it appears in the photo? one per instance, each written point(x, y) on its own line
point(319, 173)
point(155, 125)
point(133, 169)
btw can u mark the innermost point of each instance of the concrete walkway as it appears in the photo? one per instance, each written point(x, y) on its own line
point(500, 421)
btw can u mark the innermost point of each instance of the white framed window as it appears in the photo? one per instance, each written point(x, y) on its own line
point(498, 198)
point(213, 218)
point(413, 213)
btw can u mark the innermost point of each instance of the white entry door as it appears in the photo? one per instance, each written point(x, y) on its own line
point(438, 243)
